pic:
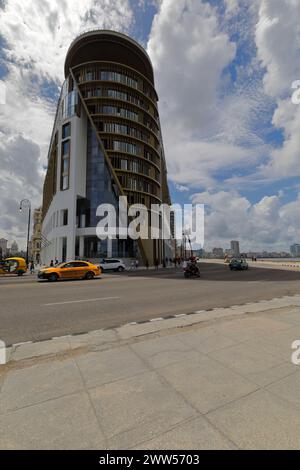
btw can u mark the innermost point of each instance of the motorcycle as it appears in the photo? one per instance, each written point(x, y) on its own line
point(191, 270)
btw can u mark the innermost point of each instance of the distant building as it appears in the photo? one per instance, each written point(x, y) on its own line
point(14, 249)
point(295, 250)
point(218, 253)
point(35, 252)
point(235, 248)
point(3, 247)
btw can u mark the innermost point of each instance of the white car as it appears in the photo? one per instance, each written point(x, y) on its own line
point(112, 265)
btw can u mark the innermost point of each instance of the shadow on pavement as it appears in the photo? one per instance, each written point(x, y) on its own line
point(217, 272)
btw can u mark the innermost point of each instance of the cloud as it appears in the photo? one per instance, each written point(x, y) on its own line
point(267, 223)
point(206, 128)
point(35, 36)
point(278, 45)
point(38, 33)
point(188, 67)
point(181, 188)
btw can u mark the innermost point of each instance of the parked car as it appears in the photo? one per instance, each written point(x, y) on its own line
point(238, 265)
point(70, 270)
point(13, 266)
point(112, 265)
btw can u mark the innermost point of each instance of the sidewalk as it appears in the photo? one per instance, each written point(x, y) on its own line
point(220, 379)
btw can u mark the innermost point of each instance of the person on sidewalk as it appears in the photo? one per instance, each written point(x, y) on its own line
point(147, 264)
point(31, 267)
point(156, 264)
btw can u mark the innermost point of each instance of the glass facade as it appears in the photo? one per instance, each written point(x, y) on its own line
point(65, 165)
point(98, 180)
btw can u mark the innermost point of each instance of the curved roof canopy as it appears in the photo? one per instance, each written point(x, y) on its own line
point(111, 46)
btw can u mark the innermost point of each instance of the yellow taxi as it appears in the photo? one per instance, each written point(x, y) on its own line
point(13, 266)
point(70, 270)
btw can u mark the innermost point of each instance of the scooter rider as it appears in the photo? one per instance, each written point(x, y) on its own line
point(192, 266)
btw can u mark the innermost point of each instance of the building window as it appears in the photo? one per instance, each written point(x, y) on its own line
point(65, 165)
point(124, 164)
point(64, 217)
point(66, 131)
point(64, 249)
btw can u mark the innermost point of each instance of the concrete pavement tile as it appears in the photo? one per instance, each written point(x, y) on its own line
point(259, 421)
point(273, 374)
point(64, 423)
point(288, 388)
point(244, 329)
point(278, 344)
point(205, 383)
point(193, 434)
point(103, 367)
point(291, 317)
point(137, 409)
point(38, 383)
point(200, 341)
point(26, 351)
point(163, 351)
point(246, 360)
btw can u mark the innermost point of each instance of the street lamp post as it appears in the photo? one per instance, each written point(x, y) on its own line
point(27, 203)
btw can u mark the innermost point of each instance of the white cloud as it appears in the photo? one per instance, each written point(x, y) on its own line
point(205, 130)
point(267, 224)
point(36, 37)
point(189, 54)
point(38, 33)
point(181, 188)
point(278, 45)
point(231, 7)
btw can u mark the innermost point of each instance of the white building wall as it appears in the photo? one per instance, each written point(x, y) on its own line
point(52, 227)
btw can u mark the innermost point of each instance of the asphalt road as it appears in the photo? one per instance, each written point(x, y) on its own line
point(32, 310)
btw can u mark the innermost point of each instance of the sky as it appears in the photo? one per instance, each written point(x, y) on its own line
point(224, 71)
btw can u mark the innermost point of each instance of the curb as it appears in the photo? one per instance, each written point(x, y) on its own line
point(259, 306)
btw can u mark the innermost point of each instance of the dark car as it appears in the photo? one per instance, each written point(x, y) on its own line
point(238, 265)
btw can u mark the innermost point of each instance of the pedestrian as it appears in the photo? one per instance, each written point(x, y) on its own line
point(147, 264)
point(132, 265)
point(136, 264)
point(31, 267)
point(56, 261)
point(156, 264)
point(51, 264)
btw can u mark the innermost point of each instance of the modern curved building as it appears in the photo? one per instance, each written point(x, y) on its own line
point(106, 142)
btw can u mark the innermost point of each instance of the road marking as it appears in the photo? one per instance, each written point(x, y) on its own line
point(80, 301)
point(156, 319)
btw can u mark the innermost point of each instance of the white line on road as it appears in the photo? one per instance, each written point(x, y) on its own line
point(80, 301)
